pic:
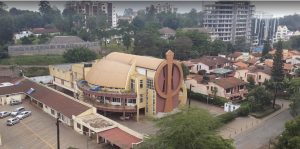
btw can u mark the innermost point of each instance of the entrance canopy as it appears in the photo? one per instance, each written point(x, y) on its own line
point(119, 138)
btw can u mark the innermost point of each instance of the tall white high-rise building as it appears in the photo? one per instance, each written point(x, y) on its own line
point(229, 19)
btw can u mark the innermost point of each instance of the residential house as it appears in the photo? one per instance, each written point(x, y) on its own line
point(244, 56)
point(22, 34)
point(231, 88)
point(209, 63)
point(260, 74)
point(166, 33)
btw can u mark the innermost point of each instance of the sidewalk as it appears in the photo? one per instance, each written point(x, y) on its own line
point(243, 124)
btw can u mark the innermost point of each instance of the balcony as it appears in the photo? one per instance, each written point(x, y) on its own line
point(88, 89)
point(114, 108)
point(239, 93)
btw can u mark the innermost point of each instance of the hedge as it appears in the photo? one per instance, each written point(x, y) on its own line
point(227, 117)
point(219, 101)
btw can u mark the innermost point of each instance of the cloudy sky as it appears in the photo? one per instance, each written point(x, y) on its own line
point(277, 8)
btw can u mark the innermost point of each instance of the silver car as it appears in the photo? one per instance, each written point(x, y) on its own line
point(17, 111)
point(23, 114)
point(4, 114)
point(12, 121)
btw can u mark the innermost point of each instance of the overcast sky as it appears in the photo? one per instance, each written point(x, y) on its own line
point(277, 8)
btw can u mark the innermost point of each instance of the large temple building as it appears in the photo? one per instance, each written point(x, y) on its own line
point(125, 84)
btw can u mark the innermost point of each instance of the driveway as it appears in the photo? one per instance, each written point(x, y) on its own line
point(260, 136)
point(39, 132)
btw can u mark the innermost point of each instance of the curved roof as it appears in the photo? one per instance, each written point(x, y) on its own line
point(141, 61)
point(109, 74)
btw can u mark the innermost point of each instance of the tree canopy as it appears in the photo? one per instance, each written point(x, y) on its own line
point(191, 129)
point(290, 138)
point(79, 55)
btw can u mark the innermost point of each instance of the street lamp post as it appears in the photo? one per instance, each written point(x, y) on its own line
point(57, 129)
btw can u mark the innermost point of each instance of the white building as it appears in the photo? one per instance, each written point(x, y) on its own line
point(230, 107)
point(282, 33)
point(22, 34)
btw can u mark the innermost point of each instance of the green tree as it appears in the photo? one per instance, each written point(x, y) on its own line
point(266, 47)
point(185, 70)
point(79, 55)
point(241, 44)
point(277, 69)
point(259, 97)
point(182, 47)
point(189, 129)
point(26, 41)
point(6, 29)
point(126, 40)
point(251, 83)
point(218, 47)
point(290, 138)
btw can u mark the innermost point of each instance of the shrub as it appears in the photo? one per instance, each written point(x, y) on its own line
point(227, 117)
point(244, 110)
point(79, 55)
point(219, 101)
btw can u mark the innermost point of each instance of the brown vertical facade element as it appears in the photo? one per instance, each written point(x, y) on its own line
point(167, 81)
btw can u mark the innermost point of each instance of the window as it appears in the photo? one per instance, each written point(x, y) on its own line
point(52, 111)
point(131, 101)
point(150, 84)
point(78, 126)
point(116, 100)
point(132, 84)
point(141, 98)
point(141, 84)
point(207, 87)
point(228, 90)
point(259, 76)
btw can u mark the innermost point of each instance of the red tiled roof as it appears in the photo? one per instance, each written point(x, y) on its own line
point(211, 60)
point(119, 137)
point(52, 99)
point(235, 54)
point(229, 82)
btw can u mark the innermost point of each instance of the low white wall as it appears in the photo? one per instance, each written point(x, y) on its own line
point(5, 99)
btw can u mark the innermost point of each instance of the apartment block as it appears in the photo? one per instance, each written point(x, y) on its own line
point(229, 19)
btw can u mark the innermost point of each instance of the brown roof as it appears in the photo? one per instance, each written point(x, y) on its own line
point(252, 61)
point(61, 103)
point(211, 60)
point(235, 54)
point(44, 30)
point(264, 69)
point(256, 54)
point(199, 29)
point(167, 30)
point(241, 65)
point(229, 82)
point(119, 137)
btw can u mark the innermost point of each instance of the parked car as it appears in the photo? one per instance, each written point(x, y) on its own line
point(15, 102)
point(12, 121)
point(17, 111)
point(4, 114)
point(23, 114)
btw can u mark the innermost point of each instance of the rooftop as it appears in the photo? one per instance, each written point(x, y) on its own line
point(65, 40)
point(167, 30)
point(53, 99)
point(235, 54)
point(229, 82)
point(109, 73)
point(221, 71)
point(96, 121)
point(140, 61)
point(211, 60)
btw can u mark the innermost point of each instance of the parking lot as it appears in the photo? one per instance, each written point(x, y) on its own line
point(38, 131)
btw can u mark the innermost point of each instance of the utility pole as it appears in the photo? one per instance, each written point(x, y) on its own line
point(57, 126)
point(190, 95)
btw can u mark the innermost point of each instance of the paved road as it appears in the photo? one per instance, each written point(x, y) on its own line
point(260, 135)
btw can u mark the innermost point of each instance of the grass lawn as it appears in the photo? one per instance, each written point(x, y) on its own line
point(33, 60)
point(268, 110)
